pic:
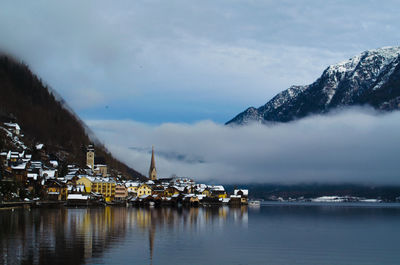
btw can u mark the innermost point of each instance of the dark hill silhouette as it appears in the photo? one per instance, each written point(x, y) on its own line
point(44, 119)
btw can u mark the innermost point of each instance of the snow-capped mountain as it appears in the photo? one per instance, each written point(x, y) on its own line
point(371, 78)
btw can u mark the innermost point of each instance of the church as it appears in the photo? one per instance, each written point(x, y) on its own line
point(152, 170)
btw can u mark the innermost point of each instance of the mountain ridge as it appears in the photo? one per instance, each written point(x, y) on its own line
point(370, 78)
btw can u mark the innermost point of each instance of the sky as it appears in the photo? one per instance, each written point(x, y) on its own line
point(153, 69)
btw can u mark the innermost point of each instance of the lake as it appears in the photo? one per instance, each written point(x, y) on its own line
point(275, 233)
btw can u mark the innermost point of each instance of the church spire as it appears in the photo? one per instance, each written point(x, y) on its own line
point(152, 170)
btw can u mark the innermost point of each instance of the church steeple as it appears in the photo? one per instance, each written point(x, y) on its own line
point(152, 170)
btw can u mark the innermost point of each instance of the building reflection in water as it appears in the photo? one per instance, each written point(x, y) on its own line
point(77, 236)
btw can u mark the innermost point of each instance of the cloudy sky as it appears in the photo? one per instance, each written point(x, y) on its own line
point(154, 70)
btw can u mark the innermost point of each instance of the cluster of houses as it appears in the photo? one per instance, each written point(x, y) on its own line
point(93, 184)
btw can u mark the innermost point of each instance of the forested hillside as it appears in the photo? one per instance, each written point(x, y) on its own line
point(25, 99)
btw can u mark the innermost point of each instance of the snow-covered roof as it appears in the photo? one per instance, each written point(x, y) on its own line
point(39, 146)
point(132, 184)
point(19, 166)
point(201, 186)
point(50, 173)
point(200, 190)
point(181, 189)
point(101, 180)
point(245, 192)
point(13, 125)
point(86, 176)
point(77, 197)
point(69, 177)
point(200, 197)
point(33, 176)
point(217, 188)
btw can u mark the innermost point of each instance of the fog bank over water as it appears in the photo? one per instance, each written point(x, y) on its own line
point(355, 145)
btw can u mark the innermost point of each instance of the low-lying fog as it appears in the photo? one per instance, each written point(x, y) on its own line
point(355, 145)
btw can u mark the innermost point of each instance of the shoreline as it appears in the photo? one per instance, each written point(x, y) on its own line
point(64, 204)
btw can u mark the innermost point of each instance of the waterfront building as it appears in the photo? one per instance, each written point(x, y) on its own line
point(171, 191)
point(121, 192)
point(19, 171)
point(105, 187)
point(56, 191)
point(158, 190)
point(132, 187)
point(206, 192)
point(218, 191)
point(144, 189)
point(87, 182)
point(243, 194)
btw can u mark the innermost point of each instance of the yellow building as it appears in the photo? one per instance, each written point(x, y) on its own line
point(223, 196)
point(87, 182)
point(132, 189)
point(206, 192)
point(102, 186)
point(105, 188)
point(144, 190)
point(171, 191)
point(56, 191)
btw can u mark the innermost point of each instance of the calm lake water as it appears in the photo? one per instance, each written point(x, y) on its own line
point(272, 234)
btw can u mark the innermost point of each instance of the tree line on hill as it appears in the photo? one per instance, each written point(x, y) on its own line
point(25, 99)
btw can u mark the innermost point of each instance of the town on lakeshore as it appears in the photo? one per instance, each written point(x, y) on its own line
point(38, 180)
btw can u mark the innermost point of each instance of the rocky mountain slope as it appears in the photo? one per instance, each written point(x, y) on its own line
point(371, 78)
point(45, 119)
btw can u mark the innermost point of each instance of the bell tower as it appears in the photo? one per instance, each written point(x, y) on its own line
point(90, 156)
point(152, 170)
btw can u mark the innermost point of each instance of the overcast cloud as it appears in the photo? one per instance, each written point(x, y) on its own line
point(356, 146)
point(184, 61)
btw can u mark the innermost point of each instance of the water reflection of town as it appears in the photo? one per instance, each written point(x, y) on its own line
point(75, 236)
